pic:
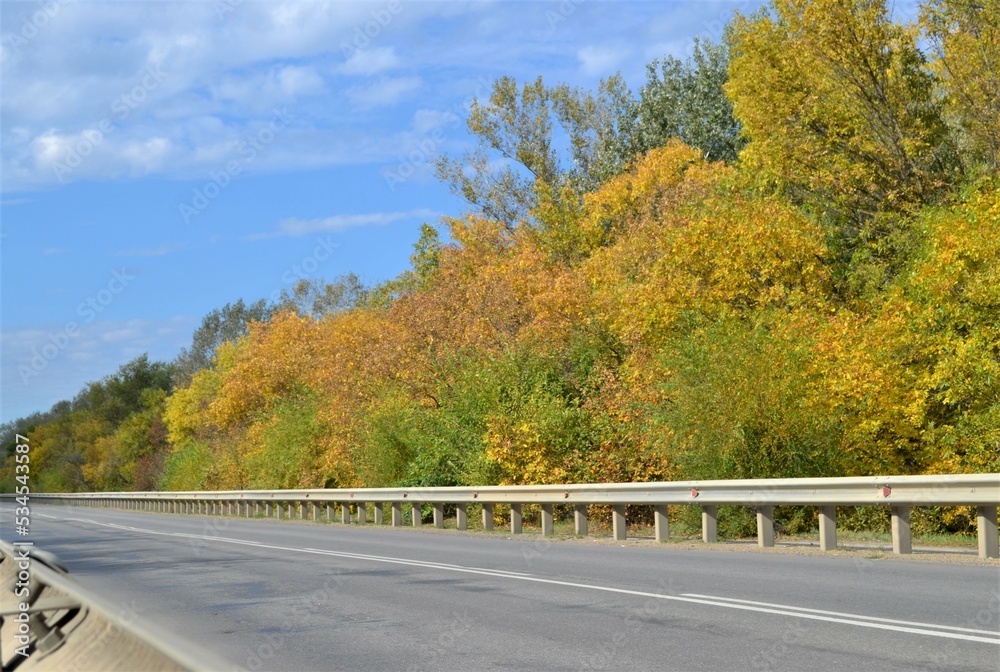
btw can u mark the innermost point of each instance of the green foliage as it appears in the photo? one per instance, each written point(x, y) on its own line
point(317, 298)
point(566, 141)
point(187, 466)
point(424, 263)
point(738, 402)
point(223, 325)
point(515, 123)
point(683, 100)
point(117, 396)
point(284, 451)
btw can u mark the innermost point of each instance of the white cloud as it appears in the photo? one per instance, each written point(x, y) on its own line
point(370, 61)
point(383, 93)
point(222, 72)
point(293, 226)
point(601, 61)
point(148, 251)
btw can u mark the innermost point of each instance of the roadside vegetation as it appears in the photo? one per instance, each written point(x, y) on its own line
point(778, 258)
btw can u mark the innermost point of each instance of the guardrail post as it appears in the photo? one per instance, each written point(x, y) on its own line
point(765, 526)
point(618, 522)
point(281, 510)
point(515, 519)
point(345, 513)
point(986, 523)
point(362, 513)
point(547, 522)
point(416, 514)
point(302, 510)
point(487, 515)
point(315, 509)
point(580, 519)
point(827, 528)
point(379, 513)
point(709, 523)
point(901, 539)
point(438, 515)
point(462, 516)
point(660, 522)
point(397, 514)
point(329, 512)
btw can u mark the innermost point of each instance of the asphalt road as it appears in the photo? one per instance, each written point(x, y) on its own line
point(271, 595)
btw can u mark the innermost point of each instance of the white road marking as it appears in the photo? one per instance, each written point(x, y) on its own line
point(926, 629)
point(837, 613)
point(438, 565)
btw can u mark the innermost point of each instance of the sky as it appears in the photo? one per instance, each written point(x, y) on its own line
point(163, 159)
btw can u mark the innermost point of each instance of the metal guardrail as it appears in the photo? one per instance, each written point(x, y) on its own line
point(900, 493)
point(49, 622)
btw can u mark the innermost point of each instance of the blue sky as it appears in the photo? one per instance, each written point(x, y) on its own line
point(160, 160)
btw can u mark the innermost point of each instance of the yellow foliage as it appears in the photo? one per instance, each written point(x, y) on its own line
point(836, 102)
point(707, 256)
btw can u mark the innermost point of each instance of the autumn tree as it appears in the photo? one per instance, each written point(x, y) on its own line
point(966, 38)
point(317, 298)
point(839, 107)
point(222, 325)
point(683, 100)
point(567, 141)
